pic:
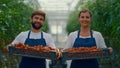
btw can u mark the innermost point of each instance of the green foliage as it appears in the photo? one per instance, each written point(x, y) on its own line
point(45, 27)
point(73, 22)
point(14, 18)
point(105, 19)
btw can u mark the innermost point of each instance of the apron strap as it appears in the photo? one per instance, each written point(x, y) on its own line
point(29, 34)
point(78, 34)
point(41, 34)
point(91, 34)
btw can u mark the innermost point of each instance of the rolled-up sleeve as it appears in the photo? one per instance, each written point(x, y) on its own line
point(50, 41)
point(70, 40)
point(19, 39)
point(100, 41)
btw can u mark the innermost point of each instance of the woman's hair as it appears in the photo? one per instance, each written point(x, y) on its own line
point(38, 12)
point(85, 10)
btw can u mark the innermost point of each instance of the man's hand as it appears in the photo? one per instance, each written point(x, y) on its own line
point(58, 53)
point(7, 47)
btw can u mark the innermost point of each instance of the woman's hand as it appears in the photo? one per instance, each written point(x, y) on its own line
point(110, 50)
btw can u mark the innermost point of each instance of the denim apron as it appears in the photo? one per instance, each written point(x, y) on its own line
point(84, 42)
point(30, 62)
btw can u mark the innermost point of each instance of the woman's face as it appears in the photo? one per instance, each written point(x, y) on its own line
point(85, 19)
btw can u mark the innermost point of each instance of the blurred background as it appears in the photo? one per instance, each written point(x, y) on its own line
point(62, 18)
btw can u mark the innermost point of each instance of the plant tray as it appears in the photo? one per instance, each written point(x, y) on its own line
point(32, 53)
point(102, 53)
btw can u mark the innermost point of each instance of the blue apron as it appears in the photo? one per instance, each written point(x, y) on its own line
point(84, 63)
point(30, 62)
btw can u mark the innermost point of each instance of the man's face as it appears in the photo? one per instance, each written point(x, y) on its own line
point(37, 21)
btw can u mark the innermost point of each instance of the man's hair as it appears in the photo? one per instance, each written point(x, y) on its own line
point(85, 10)
point(38, 12)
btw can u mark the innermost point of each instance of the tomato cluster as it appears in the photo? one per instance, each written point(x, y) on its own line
point(82, 49)
point(38, 48)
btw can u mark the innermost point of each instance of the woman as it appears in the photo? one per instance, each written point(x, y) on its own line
point(85, 37)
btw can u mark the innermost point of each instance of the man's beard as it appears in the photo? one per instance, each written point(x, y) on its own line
point(35, 27)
